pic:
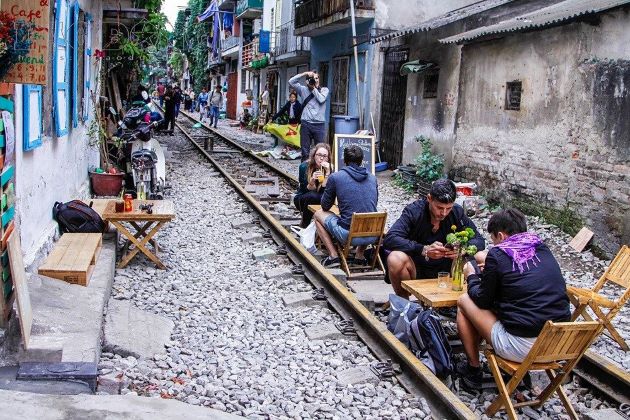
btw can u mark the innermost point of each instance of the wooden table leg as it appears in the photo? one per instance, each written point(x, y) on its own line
point(140, 245)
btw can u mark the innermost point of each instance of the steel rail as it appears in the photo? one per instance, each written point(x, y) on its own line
point(416, 377)
point(279, 171)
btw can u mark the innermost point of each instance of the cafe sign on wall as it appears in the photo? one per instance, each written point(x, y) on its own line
point(31, 68)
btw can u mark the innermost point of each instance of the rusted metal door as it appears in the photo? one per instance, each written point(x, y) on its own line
point(393, 107)
point(232, 94)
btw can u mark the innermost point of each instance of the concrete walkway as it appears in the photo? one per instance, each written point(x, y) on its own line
point(24, 405)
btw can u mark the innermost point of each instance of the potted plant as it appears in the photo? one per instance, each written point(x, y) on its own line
point(107, 180)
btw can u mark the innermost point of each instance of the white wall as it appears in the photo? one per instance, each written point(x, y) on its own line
point(55, 171)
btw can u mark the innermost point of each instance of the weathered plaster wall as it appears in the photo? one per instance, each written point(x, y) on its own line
point(432, 117)
point(55, 171)
point(403, 14)
point(570, 142)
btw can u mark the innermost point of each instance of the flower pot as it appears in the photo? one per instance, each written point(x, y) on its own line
point(105, 184)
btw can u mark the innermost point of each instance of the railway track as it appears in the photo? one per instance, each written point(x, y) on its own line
point(239, 166)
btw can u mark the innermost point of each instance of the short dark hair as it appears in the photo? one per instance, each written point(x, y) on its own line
point(353, 154)
point(510, 221)
point(444, 191)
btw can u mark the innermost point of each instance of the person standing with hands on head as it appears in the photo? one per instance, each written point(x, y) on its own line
point(313, 175)
point(313, 120)
point(416, 240)
point(216, 102)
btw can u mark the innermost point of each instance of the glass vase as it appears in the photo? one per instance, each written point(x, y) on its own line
point(457, 273)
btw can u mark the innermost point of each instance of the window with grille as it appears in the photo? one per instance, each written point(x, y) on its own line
point(430, 86)
point(339, 101)
point(513, 92)
point(243, 80)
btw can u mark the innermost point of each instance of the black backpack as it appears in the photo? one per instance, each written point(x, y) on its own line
point(77, 217)
point(429, 343)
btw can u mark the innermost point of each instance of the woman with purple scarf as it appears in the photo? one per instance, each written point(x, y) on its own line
point(520, 288)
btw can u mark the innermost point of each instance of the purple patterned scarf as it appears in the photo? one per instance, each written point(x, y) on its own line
point(521, 247)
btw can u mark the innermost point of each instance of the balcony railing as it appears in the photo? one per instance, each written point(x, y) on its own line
point(213, 61)
point(249, 53)
point(287, 42)
point(244, 5)
point(226, 5)
point(309, 11)
point(230, 42)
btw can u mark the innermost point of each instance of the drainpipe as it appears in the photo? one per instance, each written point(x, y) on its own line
point(356, 62)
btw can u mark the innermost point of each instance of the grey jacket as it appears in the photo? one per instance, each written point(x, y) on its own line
point(315, 109)
point(216, 99)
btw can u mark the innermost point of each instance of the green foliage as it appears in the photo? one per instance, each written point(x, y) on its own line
point(430, 165)
point(190, 37)
point(177, 63)
point(405, 185)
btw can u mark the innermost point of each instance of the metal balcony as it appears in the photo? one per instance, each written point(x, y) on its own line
point(214, 61)
point(290, 48)
point(319, 17)
point(229, 46)
point(226, 5)
point(249, 9)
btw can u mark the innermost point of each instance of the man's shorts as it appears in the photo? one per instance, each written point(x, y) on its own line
point(508, 346)
point(341, 235)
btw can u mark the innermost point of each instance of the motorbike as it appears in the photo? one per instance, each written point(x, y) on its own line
point(144, 157)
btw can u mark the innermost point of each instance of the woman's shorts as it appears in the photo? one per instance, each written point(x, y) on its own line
point(508, 346)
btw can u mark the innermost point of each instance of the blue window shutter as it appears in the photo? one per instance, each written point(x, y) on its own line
point(61, 68)
point(87, 67)
point(32, 123)
point(75, 64)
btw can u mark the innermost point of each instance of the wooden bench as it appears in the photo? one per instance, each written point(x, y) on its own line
point(73, 258)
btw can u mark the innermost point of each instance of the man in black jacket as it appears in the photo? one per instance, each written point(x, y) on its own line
point(417, 238)
point(520, 289)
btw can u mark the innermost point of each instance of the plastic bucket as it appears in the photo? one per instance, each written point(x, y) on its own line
point(345, 124)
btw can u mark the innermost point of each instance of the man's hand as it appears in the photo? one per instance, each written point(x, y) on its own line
point(436, 251)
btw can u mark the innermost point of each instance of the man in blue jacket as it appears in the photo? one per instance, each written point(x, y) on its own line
point(356, 191)
point(520, 289)
point(417, 238)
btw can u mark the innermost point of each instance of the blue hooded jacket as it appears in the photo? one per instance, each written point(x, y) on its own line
point(356, 191)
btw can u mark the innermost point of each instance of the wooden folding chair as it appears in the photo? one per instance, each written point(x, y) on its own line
point(364, 225)
point(619, 275)
point(557, 350)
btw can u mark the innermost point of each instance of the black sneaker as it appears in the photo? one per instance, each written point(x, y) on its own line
point(329, 262)
point(471, 377)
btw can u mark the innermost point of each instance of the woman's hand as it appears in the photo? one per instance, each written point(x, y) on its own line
point(468, 269)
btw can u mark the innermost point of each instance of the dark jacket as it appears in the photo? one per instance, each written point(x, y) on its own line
point(303, 180)
point(522, 302)
point(356, 191)
point(297, 112)
point(413, 230)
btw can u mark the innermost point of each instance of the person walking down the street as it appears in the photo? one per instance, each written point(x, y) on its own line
point(520, 289)
point(313, 175)
point(187, 100)
point(191, 108)
point(177, 94)
point(161, 89)
point(216, 102)
point(203, 101)
point(169, 109)
point(313, 118)
point(292, 108)
point(356, 191)
point(416, 240)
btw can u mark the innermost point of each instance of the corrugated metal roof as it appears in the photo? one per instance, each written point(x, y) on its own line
point(550, 15)
point(443, 20)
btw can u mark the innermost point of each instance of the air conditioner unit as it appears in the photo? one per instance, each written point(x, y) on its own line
point(257, 26)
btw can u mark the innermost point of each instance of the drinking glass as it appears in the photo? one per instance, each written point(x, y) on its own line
point(443, 279)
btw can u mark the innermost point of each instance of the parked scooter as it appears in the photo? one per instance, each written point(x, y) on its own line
point(144, 156)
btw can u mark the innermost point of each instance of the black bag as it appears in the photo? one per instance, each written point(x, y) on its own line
point(429, 343)
point(77, 217)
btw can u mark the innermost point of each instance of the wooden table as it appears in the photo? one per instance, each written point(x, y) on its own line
point(314, 207)
point(146, 226)
point(429, 294)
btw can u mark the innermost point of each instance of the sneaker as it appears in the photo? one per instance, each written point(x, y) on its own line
point(360, 261)
point(329, 262)
point(470, 376)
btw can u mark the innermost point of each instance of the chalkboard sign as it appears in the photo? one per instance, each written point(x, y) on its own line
point(364, 142)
